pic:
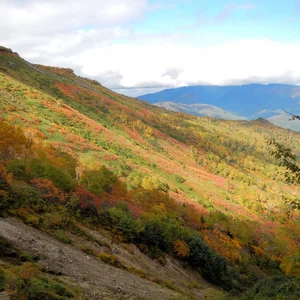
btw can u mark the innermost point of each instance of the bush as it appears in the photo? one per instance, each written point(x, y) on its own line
point(18, 168)
point(4, 202)
point(42, 288)
point(61, 236)
point(110, 259)
point(24, 194)
point(32, 220)
point(88, 203)
point(13, 142)
point(212, 266)
point(156, 236)
point(54, 220)
point(276, 287)
point(134, 180)
point(2, 280)
point(98, 181)
point(45, 170)
point(179, 178)
point(120, 218)
point(9, 252)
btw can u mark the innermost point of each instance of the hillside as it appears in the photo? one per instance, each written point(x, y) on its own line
point(250, 101)
point(201, 192)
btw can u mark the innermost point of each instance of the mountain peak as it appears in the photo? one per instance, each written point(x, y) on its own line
point(4, 50)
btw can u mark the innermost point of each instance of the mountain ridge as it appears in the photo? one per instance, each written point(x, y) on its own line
point(246, 101)
point(203, 190)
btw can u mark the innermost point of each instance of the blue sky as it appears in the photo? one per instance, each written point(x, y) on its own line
point(140, 46)
point(220, 20)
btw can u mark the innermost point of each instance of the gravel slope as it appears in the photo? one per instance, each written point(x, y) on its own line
point(97, 279)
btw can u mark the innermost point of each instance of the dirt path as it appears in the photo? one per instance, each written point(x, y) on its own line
point(97, 279)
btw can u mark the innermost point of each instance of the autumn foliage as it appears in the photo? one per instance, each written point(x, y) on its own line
point(13, 142)
point(203, 190)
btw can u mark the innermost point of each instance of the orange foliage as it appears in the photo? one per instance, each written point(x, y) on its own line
point(28, 271)
point(34, 133)
point(258, 251)
point(49, 191)
point(4, 174)
point(181, 249)
point(223, 244)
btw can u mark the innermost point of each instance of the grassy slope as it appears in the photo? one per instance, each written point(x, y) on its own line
point(218, 166)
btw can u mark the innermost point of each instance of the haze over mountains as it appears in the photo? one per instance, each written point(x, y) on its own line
point(250, 102)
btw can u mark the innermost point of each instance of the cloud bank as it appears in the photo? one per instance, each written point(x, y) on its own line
point(98, 39)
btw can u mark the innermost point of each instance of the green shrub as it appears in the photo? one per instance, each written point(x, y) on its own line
point(179, 178)
point(134, 180)
point(18, 168)
point(212, 266)
point(4, 201)
point(32, 220)
point(276, 287)
point(98, 181)
point(24, 194)
point(2, 280)
point(42, 288)
point(61, 236)
point(45, 170)
point(8, 251)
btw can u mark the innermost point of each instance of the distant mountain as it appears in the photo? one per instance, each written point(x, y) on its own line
point(246, 101)
point(200, 110)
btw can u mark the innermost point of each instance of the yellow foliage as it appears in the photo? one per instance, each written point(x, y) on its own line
point(258, 251)
point(150, 183)
point(32, 219)
point(159, 208)
point(291, 265)
point(181, 249)
point(148, 132)
point(13, 142)
point(4, 174)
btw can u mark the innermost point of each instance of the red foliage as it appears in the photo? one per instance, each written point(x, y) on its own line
point(87, 199)
point(94, 98)
point(134, 210)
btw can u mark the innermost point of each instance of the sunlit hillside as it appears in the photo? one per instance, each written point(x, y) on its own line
point(203, 190)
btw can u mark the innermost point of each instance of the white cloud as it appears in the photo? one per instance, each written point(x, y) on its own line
point(172, 65)
point(38, 27)
point(44, 16)
point(97, 39)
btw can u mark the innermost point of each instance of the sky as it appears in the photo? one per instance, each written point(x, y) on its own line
point(136, 47)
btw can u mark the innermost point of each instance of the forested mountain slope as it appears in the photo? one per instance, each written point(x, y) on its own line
point(202, 190)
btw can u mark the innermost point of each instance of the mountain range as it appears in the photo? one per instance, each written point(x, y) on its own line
point(270, 101)
point(104, 196)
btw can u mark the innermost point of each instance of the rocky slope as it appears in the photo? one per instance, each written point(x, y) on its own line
point(98, 280)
